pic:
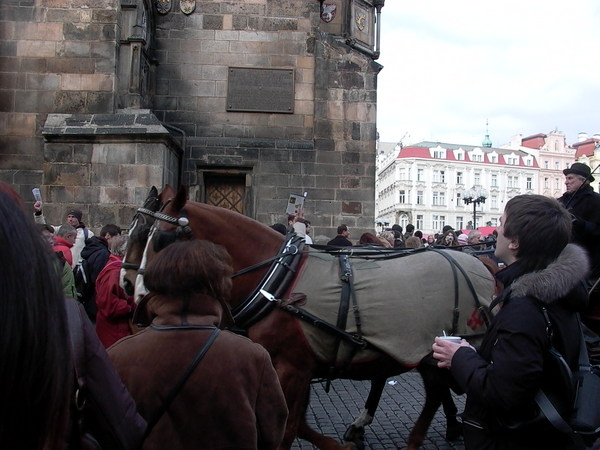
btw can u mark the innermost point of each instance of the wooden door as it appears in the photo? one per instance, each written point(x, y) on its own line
point(226, 191)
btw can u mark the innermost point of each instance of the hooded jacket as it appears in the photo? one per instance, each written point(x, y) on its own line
point(502, 378)
point(63, 246)
point(231, 400)
point(96, 254)
point(114, 305)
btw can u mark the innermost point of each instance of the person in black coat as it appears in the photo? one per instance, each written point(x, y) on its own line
point(341, 240)
point(96, 255)
point(584, 205)
point(502, 377)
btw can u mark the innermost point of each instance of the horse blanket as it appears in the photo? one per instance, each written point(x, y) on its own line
point(403, 302)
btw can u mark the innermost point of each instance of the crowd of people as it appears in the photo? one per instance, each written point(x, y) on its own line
point(136, 385)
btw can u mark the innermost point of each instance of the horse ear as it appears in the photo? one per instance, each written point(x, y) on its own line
point(153, 192)
point(180, 198)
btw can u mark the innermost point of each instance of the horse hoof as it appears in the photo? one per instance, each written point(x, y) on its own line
point(354, 438)
point(453, 432)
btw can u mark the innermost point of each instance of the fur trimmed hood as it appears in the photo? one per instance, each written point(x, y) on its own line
point(558, 279)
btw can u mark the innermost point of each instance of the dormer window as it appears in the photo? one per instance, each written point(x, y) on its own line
point(438, 153)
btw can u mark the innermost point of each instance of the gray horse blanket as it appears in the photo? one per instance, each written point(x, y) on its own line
point(403, 303)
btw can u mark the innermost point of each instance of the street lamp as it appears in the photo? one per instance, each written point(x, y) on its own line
point(475, 196)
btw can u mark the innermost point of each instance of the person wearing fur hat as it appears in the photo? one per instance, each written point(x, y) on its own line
point(74, 218)
point(584, 205)
point(543, 275)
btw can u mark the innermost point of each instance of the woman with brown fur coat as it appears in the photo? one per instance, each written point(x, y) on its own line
point(232, 399)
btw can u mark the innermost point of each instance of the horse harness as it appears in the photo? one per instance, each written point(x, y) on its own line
point(282, 272)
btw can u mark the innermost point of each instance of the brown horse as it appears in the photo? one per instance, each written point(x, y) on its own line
point(302, 350)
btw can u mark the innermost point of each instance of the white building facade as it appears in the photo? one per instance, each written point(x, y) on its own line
point(424, 184)
point(553, 155)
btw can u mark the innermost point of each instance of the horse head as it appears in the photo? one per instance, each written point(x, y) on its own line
point(138, 235)
point(247, 241)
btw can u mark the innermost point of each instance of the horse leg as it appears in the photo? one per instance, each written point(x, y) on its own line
point(318, 440)
point(435, 389)
point(356, 431)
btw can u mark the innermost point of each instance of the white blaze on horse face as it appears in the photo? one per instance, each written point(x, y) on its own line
point(140, 288)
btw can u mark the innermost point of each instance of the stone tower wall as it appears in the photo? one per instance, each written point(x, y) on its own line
point(77, 75)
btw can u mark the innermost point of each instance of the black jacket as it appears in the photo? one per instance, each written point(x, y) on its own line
point(502, 378)
point(96, 253)
point(584, 205)
point(340, 241)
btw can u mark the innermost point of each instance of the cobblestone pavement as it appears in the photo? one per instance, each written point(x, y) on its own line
point(400, 405)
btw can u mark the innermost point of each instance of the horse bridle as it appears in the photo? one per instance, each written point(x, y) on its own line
point(140, 212)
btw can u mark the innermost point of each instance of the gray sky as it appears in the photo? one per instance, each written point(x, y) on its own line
point(527, 66)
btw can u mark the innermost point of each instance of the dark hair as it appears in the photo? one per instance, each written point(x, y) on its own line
point(419, 234)
point(45, 227)
point(111, 229)
point(397, 227)
point(279, 227)
point(410, 228)
point(187, 267)
point(342, 228)
point(35, 374)
point(542, 226)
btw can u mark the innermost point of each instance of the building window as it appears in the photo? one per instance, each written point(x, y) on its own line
point(436, 198)
point(420, 176)
point(402, 196)
point(546, 164)
point(546, 183)
point(419, 224)
point(438, 154)
point(459, 178)
point(494, 158)
point(511, 181)
point(460, 156)
point(477, 176)
point(529, 183)
point(439, 176)
point(437, 222)
point(494, 202)
point(494, 180)
point(459, 223)
point(556, 183)
point(458, 199)
point(556, 165)
point(419, 197)
point(402, 173)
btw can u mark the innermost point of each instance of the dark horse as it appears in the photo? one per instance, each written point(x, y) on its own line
point(305, 338)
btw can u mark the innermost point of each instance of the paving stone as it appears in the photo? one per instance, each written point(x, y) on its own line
point(400, 405)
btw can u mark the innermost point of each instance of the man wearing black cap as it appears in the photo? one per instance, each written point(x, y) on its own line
point(584, 205)
point(74, 218)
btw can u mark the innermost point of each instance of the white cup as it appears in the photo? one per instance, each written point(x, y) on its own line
point(455, 339)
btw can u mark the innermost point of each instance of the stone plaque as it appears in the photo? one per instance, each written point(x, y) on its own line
point(260, 90)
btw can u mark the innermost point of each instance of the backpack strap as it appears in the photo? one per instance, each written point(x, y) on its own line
point(175, 390)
